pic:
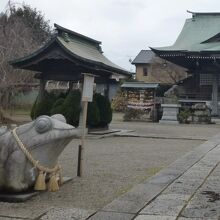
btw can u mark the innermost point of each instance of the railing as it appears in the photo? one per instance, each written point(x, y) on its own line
point(197, 96)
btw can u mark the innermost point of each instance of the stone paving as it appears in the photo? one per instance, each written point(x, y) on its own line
point(187, 189)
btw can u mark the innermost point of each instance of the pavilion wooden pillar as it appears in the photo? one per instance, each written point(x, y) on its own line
point(70, 86)
point(107, 90)
point(41, 90)
point(215, 94)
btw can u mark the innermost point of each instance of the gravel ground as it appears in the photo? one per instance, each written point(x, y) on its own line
point(113, 166)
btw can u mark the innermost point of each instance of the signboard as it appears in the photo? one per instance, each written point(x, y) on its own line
point(87, 93)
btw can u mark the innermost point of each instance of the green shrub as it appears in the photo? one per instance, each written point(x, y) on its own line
point(63, 95)
point(93, 114)
point(43, 107)
point(184, 115)
point(105, 110)
point(71, 107)
point(57, 107)
point(99, 111)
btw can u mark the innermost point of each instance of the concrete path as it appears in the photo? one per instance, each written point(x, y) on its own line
point(187, 189)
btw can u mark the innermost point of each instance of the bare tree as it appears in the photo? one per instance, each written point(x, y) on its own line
point(22, 30)
point(167, 72)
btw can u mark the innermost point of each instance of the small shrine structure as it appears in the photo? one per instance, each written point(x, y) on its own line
point(197, 48)
point(66, 56)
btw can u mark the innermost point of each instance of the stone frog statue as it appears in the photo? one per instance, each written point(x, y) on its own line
point(43, 140)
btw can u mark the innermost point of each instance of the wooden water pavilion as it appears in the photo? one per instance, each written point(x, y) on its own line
point(66, 56)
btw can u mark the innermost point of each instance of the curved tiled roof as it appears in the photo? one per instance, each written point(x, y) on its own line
point(79, 47)
point(199, 33)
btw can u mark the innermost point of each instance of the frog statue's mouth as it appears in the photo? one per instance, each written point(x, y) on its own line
point(51, 151)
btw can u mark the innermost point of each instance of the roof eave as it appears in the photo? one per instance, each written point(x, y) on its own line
point(19, 61)
point(140, 85)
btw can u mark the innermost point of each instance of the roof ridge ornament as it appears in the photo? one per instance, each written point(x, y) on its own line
point(191, 12)
point(61, 29)
point(66, 37)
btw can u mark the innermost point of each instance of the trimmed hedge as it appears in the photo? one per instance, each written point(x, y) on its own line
point(99, 111)
point(71, 107)
point(57, 106)
point(93, 114)
point(43, 107)
point(105, 110)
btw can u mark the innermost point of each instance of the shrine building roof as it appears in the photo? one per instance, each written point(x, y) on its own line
point(201, 33)
point(69, 50)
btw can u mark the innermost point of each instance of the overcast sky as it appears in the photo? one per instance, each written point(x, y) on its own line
point(124, 26)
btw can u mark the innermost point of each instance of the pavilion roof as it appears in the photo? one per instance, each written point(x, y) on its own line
point(139, 85)
point(201, 33)
point(79, 50)
point(84, 47)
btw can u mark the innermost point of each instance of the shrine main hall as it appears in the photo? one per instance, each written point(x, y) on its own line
point(197, 49)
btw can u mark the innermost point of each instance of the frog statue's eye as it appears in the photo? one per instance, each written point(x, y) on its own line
point(43, 124)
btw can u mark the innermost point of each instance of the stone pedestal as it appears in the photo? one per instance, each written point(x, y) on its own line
point(24, 196)
point(170, 112)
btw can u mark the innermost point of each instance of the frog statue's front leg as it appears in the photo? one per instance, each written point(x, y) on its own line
point(17, 178)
